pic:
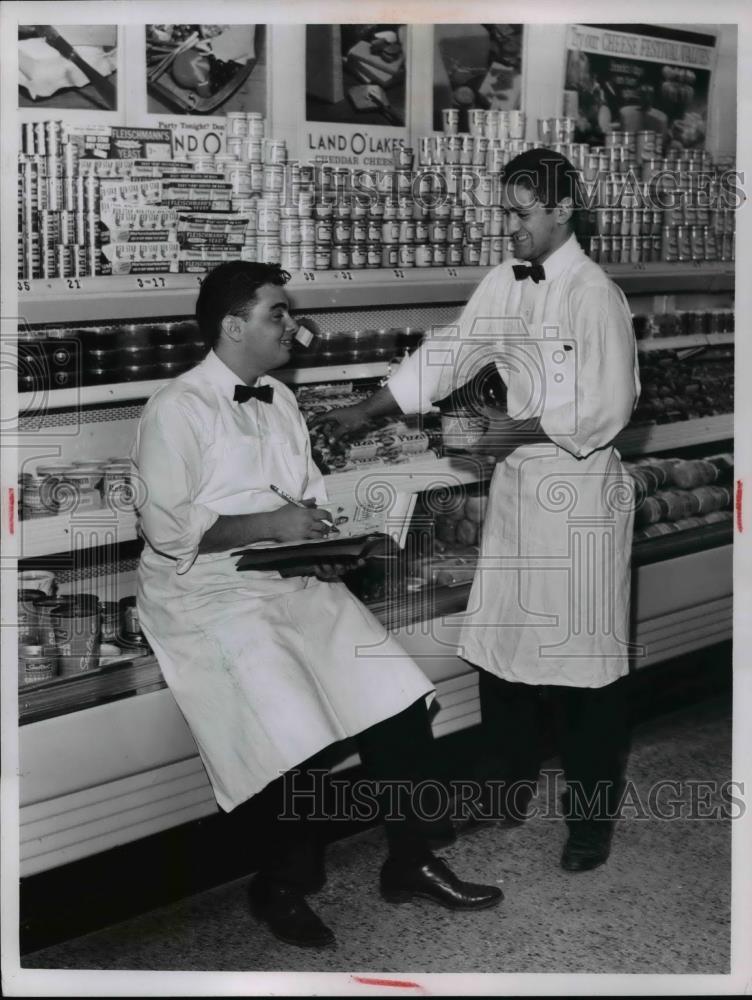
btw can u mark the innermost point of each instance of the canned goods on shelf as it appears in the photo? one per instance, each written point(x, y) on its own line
point(290, 257)
point(373, 255)
point(269, 251)
point(237, 124)
point(454, 254)
point(424, 255)
point(342, 229)
point(340, 255)
point(450, 120)
point(406, 255)
point(322, 257)
point(36, 663)
point(471, 254)
point(389, 254)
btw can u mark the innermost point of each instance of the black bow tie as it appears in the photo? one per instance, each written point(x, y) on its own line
point(535, 271)
point(243, 393)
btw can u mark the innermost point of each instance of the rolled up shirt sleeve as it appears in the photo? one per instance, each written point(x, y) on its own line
point(607, 381)
point(450, 356)
point(168, 457)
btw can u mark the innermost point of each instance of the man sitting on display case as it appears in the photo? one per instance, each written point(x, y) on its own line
point(268, 670)
point(548, 613)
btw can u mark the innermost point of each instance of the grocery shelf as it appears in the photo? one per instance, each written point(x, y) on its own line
point(71, 300)
point(139, 675)
point(131, 296)
point(700, 615)
point(49, 535)
point(63, 533)
point(422, 473)
point(643, 440)
point(682, 342)
point(46, 400)
point(44, 536)
point(664, 279)
point(94, 687)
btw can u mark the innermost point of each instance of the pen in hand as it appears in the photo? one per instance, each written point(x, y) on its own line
point(299, 503)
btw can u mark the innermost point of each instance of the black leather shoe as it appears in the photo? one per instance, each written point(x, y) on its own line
point(402, 881)
point(287, 915)
point(586, 849)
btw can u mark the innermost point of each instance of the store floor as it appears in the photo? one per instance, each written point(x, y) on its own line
point(660, 905)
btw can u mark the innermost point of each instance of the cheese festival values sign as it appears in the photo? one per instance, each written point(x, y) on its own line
point(639, 78)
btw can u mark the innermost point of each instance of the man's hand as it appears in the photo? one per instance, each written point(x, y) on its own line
point(293, 524)
point(340, 423)
point(329, 572)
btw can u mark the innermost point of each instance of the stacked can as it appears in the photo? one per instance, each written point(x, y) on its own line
point(58, 209)
point(492, 124)
point(443, 210)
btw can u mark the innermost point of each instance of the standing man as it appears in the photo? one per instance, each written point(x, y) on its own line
point(269, 671)
point(548, 614)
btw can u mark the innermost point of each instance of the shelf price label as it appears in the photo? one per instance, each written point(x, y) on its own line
point(24, 286)
point(72, 284)
point(452, 272)
point(309, 275)
point(398, 272)
point(156, 281)
point(346, 275)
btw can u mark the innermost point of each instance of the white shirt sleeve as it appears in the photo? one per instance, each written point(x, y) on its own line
point(315, 486)
point(606, 378)
point(449, 357)
point(168, 456)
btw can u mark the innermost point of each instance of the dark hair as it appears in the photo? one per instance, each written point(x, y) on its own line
point(548, 174)
point(551, 178)
point(228, 290)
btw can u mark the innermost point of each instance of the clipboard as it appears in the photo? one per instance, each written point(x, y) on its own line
point(301, 559)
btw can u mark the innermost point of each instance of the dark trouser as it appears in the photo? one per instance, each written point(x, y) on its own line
point(399, 749)
point(591, 731)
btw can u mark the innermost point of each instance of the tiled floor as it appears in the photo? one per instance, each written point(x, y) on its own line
point(660, 905)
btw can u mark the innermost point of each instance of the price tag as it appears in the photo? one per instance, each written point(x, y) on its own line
point(24, 285)
point(309, 275)
point(451, 272)
point(156, 281)
point(346, 275)
point(398, 272)
point(73, 284)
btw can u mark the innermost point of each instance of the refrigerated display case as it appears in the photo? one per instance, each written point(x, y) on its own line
point(105, 755)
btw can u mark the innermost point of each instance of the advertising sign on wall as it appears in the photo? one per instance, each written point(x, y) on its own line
point(67, 66)
point(205, 69)
point(639, 77)
point(355, 93)
point(476, 66)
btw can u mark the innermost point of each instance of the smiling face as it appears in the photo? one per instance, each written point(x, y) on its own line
point(536, 231)
point(263, 338)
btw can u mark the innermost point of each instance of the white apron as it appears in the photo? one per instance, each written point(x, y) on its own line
point(266, 671)
point(550, 599)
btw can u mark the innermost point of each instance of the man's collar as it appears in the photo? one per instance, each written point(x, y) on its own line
point(222, 376)
point(561, 258)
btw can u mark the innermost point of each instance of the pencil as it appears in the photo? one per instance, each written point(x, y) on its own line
point(298, 503)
